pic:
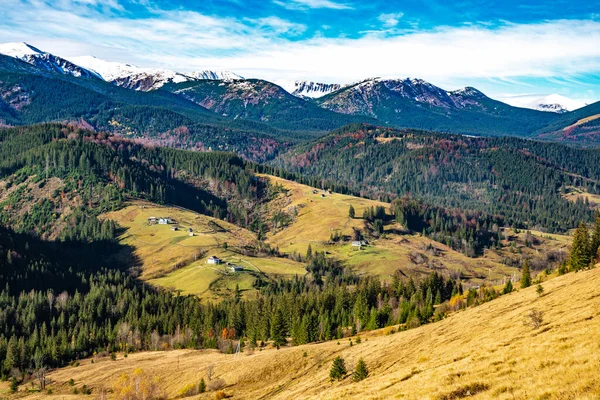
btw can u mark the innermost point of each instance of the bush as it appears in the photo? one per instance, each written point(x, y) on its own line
point(216, 384)
point(187, 390)
point(202, 386)
point(220, 395)
point(534, 319)
point(361, 372)
point(71, 382)
point(113, 356)
point(338, 369)
point(14, 385)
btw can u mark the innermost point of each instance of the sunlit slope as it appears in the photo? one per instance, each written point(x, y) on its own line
point(321, 214)
point(177, 260)
point(487, 347)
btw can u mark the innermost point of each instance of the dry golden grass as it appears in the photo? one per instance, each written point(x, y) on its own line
point(575, 194)
point(487, 347)
point(582, 121)
point(318, 217)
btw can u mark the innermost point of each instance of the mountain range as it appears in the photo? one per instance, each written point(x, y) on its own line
point(40, 87)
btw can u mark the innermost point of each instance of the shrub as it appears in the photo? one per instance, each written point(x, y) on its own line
point(220, 395)
point(338, 369)
point(14, 385)
point(113, 356)
point(49, 391)
point(534, 319)
point(86, 390)
point(71, 382)
point(540, 290)
point(361, 371)
point(216, 384)
point(187, 390)
point(202, 386)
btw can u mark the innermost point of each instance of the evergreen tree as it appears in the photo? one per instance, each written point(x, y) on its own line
point(278, 329)
point(309, 252)
point(526, 275)
point(595, 240)
point(361, 371)
point(202, 386)
point(579, 257)
point(540, 290)
point(338, 369)
point(508, 288)
point(351, 212)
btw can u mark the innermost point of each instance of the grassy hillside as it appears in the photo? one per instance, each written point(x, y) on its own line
point(176, 260)
point(318, 214)
point(486, 350)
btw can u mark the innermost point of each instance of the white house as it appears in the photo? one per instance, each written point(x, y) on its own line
point(214, 260)
point(235, 268)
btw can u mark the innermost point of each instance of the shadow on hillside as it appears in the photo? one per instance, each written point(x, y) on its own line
point(35, 264)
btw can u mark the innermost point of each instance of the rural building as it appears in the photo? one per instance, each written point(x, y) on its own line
point(359, 243)
point(152, 220)
point(214, 260)
point(174, 229)
point(166, 221)
point(235, 268)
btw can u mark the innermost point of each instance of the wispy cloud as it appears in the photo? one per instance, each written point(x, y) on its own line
point(390, 20)
point(273, 47)
point(311, 4)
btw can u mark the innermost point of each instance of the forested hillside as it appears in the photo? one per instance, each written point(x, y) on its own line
point(520, 181)
point(261, 101)
point(53, 173)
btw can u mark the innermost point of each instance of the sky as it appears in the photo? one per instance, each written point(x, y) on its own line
point(510, 50)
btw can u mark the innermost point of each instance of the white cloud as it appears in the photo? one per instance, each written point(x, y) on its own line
point(310, 4)
point(390, 20)
point(187, 40)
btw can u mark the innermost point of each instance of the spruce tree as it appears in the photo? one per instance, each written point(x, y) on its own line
point(508, 288)
point(595, 240)
point(202, 386)
point(278, 329)
point(361, 372)
point(338, 369)
point(351, 212)
point(526, 276)
point(580, 250)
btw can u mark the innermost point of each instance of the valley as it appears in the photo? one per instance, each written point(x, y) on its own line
point(202, 226)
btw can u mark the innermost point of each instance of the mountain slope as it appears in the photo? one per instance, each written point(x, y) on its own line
point(144, 79)
point(260, 101)
point(43, 60)
point(486, 350)
point(414, 103)
point(29, 94)
point(308, 89)
point(517, 179)
point(578, 128)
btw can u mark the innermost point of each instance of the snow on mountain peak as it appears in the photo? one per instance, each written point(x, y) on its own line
point(215, 75)
point(18, 49)
point(551, 103)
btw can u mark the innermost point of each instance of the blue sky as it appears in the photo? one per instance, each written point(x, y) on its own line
point(510, 50)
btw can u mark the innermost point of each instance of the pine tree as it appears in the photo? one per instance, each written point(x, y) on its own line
point(540, 290)
point(595, 240)
point(351, 212)
point(361, 371)
point(338, 369)
point(508, 288)
point(309, 252)
point(202, 386)
point(580, 250)
point(278, 329)
point(526, 275)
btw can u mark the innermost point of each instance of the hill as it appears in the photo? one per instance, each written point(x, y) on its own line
point(177, 259)
point(517, 180)
point(578, 128)
point(486, 351)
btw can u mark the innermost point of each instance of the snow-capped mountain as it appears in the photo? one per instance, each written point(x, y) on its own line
point(133, 77)
point(215, 75)
point(130, 76)
point(308, 89)
point(555, 103)
point(44, 60)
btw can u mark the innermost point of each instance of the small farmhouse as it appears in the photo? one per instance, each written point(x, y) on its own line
point(152, 220)
point(166, 221)
point(214, 260)
point(234, 268)
point(359, 243)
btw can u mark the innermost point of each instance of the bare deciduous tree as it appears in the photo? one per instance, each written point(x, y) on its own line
point(40, 370)
point(534, 319)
